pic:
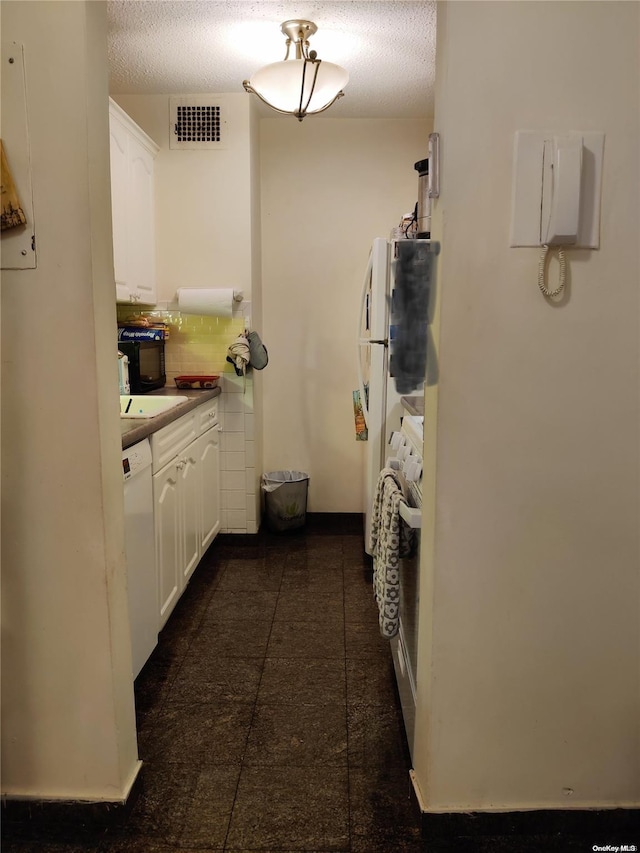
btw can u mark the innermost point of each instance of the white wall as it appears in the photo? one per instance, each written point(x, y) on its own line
point(329, 186)
point(528, 683)
point(68, 722)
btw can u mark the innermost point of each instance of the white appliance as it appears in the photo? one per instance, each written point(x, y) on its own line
point(405, 455)
point(393, 309)
point(140, 552)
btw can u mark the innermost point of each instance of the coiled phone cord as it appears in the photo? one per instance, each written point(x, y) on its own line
point(542, 268)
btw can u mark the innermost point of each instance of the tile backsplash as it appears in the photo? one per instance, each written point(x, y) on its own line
point(196, 344)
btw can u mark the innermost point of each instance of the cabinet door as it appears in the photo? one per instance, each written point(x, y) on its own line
point(190, 513)
point(166, 515)
point(119, 155)
point(209, 460)
point(141, 221)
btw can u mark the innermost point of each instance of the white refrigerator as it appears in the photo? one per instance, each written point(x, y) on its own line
point(392, 344)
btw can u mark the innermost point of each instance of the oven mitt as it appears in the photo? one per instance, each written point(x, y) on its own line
point(258, 356)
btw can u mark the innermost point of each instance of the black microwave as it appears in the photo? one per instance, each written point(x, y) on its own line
point(146, 365)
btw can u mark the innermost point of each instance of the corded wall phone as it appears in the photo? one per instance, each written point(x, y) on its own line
point(556, 194)
point(561, 184)
point(560, 210)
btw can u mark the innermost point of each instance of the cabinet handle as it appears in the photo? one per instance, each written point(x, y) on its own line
point(180, 464)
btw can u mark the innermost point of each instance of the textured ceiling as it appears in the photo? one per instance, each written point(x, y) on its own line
point(194, 46)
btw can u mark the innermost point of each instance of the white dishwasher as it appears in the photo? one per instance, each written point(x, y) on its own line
point(140, 551)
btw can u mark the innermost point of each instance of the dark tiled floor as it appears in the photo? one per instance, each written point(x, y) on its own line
point(259, 717)
point(268, 719)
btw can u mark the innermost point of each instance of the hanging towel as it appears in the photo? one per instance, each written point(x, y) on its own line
point(391, 539)
point(238, 355)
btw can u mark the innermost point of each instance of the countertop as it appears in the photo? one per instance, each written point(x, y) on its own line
point(413, 405)
point(135, 429)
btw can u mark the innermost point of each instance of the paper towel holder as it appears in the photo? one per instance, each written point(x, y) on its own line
point(238, 297)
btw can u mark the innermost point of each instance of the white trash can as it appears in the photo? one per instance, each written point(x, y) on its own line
point(285, 498)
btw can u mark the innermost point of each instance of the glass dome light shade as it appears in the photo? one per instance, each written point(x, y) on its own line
point(280, 84)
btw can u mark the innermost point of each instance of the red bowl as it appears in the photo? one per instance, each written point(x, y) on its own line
point(198, 382)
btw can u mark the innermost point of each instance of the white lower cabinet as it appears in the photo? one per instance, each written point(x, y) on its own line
point(166, 519)
point(190, 476)
point(186, 494)
point(209, 461)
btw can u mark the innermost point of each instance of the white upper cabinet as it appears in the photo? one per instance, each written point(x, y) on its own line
point(133, 211)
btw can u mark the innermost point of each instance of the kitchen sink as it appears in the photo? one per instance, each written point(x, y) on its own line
point(146, 405)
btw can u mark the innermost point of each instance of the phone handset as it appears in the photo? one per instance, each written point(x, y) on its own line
point(560, 211)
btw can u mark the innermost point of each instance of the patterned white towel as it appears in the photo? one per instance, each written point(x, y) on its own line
point(238, 355)
point(391, 539)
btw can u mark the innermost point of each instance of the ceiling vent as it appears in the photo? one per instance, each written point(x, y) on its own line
point(197, 123)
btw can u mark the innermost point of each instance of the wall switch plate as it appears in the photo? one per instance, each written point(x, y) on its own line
point(527, 187)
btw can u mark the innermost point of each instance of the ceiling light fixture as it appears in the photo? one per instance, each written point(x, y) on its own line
point(301, 85)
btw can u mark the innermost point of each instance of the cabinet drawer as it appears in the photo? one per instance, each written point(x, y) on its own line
point(207, 415)
point(170, 440)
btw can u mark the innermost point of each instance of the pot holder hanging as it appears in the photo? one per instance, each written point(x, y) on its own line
point(258, 355)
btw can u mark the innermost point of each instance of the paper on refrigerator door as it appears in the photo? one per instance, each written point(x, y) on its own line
point(362, 434)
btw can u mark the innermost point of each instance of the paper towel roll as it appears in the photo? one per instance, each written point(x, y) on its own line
point(215, 302)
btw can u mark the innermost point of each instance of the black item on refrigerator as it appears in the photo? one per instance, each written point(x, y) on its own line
point(415, 270)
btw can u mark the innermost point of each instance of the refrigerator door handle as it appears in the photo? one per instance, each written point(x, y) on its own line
point(363, 341)
point(363, 397)
point(363, 295)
